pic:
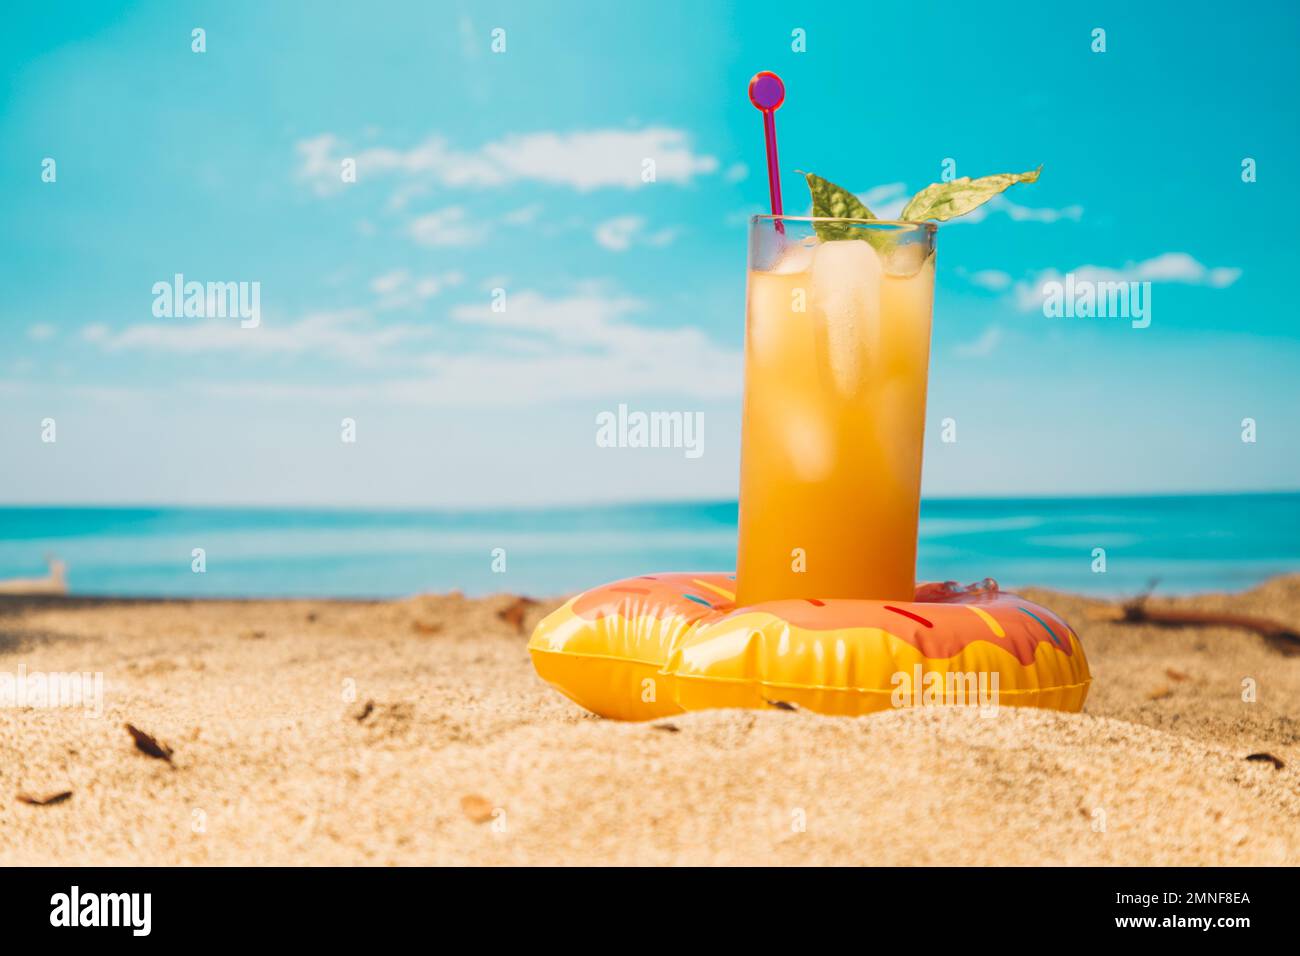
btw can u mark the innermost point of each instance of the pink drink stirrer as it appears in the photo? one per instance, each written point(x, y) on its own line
point(767, 92)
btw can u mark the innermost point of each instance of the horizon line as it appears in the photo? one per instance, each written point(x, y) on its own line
point(599, 503)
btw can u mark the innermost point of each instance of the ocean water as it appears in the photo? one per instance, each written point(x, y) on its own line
point(1188, 543)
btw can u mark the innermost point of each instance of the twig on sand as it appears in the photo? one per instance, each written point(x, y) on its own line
point(50, 800)
point(1278, 636)
point(1267, 758)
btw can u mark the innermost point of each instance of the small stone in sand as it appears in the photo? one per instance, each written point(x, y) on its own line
point(479, 809)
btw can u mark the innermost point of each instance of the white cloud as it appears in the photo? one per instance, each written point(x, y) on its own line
point(349, 336)
point(736, 172)
point(582, 345)
point(619, 234)
point(991, 279)
point(523, 216)
point(470, 41)
point(982, 346)
point(91, 393)
point(582, 160)
point(524, 380)
point(584, 318)
point(425, 287)
point(399, 288)
point(1020, 213)
point(616, 234)
point(1223, 276)
point(41, 331)
point(661, 238)
point(447, 227)
point(597, 349)
point(1175, 267)
point(589, 160)
point(1180, 267)
point(515, 381)
point(403, 194)
point(540, 348)
point(1042, 214)
point(389, 282)
point(886, 201)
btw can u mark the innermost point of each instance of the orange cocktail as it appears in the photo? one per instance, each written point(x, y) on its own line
point(837, 344)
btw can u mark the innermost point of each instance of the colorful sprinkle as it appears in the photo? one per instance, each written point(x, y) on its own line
point(715, 589)
point(698, 600)
point(987, 618)
point(1055, 640)
point(815, 603)
point(908, 614)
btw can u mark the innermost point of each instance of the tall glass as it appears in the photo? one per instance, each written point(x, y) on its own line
point(837, 345)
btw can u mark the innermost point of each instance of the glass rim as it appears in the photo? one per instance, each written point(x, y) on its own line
point(899, 225)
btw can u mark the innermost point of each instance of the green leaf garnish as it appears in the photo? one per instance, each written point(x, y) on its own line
point(941, 201)
point(837, 203)
point(944, 201)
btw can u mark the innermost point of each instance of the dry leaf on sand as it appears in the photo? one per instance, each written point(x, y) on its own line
point(148, 744)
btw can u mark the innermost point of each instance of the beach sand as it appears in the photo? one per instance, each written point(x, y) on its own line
point(415, 732)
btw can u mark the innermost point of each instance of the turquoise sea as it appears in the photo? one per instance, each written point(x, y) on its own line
point(1189, 543)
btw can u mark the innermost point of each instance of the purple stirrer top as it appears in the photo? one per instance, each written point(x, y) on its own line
point(767, 92)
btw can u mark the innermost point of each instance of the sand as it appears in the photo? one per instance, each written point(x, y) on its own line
point(415, 732)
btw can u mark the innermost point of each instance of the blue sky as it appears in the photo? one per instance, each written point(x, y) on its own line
point(521, 170)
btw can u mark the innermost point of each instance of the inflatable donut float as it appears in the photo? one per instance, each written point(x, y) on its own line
point(662, 644)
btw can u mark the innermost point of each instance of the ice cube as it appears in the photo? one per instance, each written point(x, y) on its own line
point(904, 259)
point(846, 277)
point(809, 442)
point(768, 314)
point(795, 257)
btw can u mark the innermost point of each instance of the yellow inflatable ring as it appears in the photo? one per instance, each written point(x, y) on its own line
point(662, 644)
